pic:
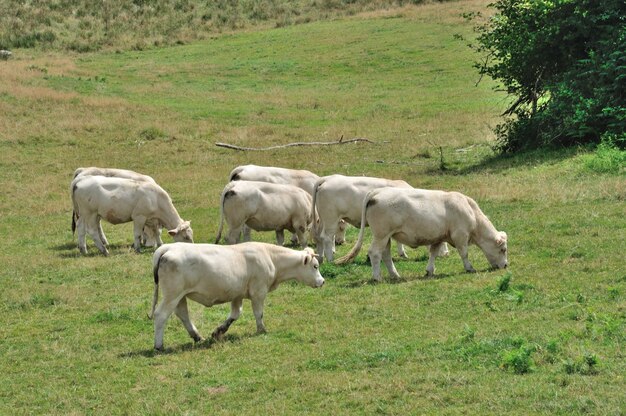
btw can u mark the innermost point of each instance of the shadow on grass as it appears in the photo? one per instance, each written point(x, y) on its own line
point(205, 344)
point(70, 250)
point(502, 162)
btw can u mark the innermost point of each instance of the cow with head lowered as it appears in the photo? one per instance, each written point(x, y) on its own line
point(120, 200)
point(213, 274)
point(301, 178)
point(264, 206)
point(418, 217)
point(152, 232)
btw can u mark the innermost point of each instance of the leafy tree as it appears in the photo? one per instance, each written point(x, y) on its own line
point(564, 62)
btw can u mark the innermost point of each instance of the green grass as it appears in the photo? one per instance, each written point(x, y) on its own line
point(74, 332)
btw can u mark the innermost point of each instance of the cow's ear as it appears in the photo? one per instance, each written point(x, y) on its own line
point(501, 238)
point(172, 232)
point(307, 257)
point(320, 259)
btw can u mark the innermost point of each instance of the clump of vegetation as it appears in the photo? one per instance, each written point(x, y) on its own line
point(562, 62)
point(152, 133)
point(608, 158)
point(518, 360)
point(585, 365)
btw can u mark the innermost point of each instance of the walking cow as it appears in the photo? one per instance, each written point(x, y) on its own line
point(213, 274)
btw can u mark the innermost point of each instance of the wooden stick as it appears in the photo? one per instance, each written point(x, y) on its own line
point(340, 141)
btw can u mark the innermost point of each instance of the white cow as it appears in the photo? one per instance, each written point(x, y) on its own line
point(418, 217)
point(152, 232)
point(212, 274)
point(300, 178)
point(338, 197)
point(113, 173)
point(264, 206)
point(120, 200)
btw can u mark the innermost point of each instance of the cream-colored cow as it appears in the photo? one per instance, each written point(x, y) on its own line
point(213, 274)
point(152, 232)
point(119, 200)
point(264, 206)
point(338, 197)
point(418, 217)
point(283, 176)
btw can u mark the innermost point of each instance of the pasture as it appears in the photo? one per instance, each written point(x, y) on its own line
point(548, 335)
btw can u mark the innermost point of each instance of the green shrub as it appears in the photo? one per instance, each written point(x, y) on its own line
point(608, 157)
point(585, 365)
point(518, 360)
point(562, 62)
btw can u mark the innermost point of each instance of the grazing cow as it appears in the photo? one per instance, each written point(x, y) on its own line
point(418, 217)
point(264, 206)
point(300, 178)
point(152, 232)
point(338, 197)
point(113, 173)
point(120, 200)
point(212, 274)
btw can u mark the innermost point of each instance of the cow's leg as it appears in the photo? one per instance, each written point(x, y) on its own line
point(183, 314)
point(401, 251)
point(463, 252)
point(157, 231)
point(393, 273)
point(295, 239)
point(82, 243)
point(430, 268)
point(247, 231)
point(340, 236)
point(257, 308)
point(460, 241)
point(328, 239)
point(92, 225)
point(302, 237)
point(375, 254)
point(280, 237)
point(138, 224)
point(235, 311)
point(161, 314)
point(101, 233)
point(234, 232)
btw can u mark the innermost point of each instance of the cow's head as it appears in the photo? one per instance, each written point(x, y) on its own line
point(183, 233)
point(310, 274)
point(496, 250)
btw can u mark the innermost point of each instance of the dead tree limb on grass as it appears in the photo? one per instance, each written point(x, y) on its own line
point(340, 141)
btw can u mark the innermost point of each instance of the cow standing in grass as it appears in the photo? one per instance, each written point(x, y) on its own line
point(213, 274)
point(152, 232)
point(418, 217)
point(264, 206)
point(339, 197)
point(119, 200)
point(297, 177)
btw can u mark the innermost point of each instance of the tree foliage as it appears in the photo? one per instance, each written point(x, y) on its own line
point(564, 62)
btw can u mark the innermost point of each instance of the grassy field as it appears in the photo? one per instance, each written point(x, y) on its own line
point(546, 336)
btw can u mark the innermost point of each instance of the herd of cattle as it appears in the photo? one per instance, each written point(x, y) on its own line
point(274, 199)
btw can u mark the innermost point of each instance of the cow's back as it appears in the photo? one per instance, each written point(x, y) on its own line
point(342, 196)
point(215, 273)
point(300, 178)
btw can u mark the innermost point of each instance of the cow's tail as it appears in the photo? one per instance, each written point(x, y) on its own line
point(359, 242)
point(156, 263)
point(225, 194)
point(314, 226)
point(74, 208)
point(234, 174)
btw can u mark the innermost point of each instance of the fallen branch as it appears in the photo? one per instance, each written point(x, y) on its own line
point(340, 141)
